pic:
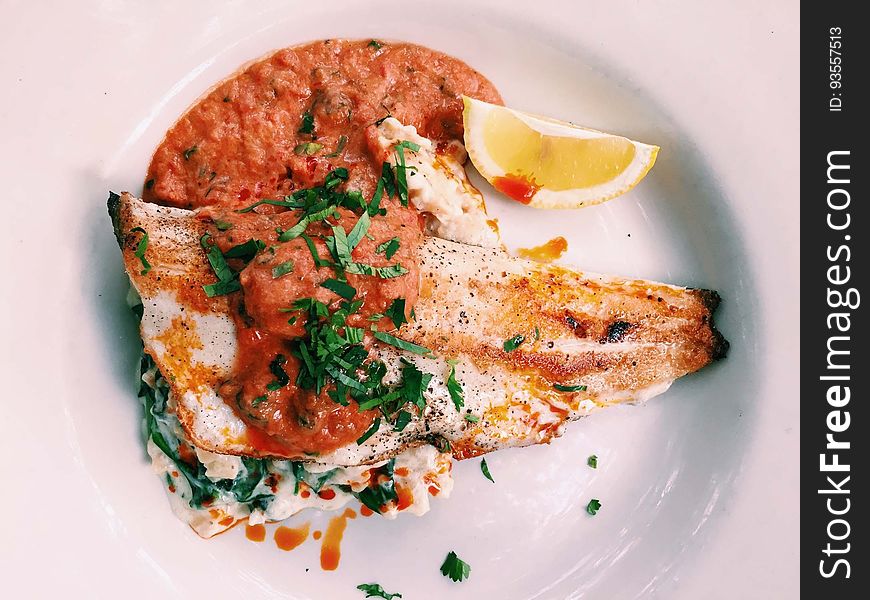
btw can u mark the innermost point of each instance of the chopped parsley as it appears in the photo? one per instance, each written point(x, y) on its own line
point(246, 251)
point(471, 418)
point(402, 169)
point(307, 125)
point(569, 388)
point(227, 279)
point(484, 468)
point(401, 344)
point(388, 248)
point(307, 148)
point(389, 178)
point(593, 507)
point(455, 568)
point(190, 152)
point(339, 287)
point(455, 388)
point(318, 262)
point(537, 333)
point(402, 420)
point(376, 424)
point(149, 184)
point(396, 312)
point(374, 590)
point(513, 343)
point(342, 142)
point(388, 272)
point(141, 247)
point(359, 230)
point(223, 225)
point(282, 269)
point(276, 367)
point(592, 461)
point(375, 44)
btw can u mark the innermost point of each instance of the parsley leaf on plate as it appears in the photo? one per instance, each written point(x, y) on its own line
point(455, 568)
point(484, 468)
point(374, 590)
point(593, 507)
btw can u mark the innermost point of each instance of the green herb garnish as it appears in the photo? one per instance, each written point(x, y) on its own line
point(401, 344)
point(246, 251)
point(471, 418)
point(383, 493)
point(455, 388)
point(141, 247)
point(223, 225)
point(402, 420)
point(455, 568)
point(339, 287)
point(375, 44)
point(190, 152)
point(592, 461)
point(388, 248)
point(484, 468)
point(227, 280)
point(307, 148)
point(307, 125)
point(359, 230)
point(569, 388)
point(593, 507)
point(376, 424)
point(374, 590)
point(388, 272)
point(396, 312)
point(513, 343)
point(282, 269)
point(342, 142)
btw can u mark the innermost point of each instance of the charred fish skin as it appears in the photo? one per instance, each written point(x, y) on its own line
point(589, 341)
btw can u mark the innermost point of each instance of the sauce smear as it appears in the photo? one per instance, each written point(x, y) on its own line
point(518, 187)
point(546, 252)
point(288, 538)
point(255, 533)
point(330, 551)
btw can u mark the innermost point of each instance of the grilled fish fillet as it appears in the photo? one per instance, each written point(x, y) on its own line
point(624, 340)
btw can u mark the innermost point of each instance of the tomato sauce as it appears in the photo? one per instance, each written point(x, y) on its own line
point(278, 126)
point(239, 143)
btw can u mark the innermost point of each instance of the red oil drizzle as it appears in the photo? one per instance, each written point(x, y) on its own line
point(326, 494)
point(546, 252)
point(255, 533)
point(520, 188)
point(288, 538)
point(317, 534)
point(366, 511)
point(330, 550)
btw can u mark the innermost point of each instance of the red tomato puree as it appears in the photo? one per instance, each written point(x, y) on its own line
point(279, 126)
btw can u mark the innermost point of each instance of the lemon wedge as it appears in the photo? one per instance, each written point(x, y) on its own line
point(547, 163)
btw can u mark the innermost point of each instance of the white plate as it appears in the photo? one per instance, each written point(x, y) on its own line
point(698, 487)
